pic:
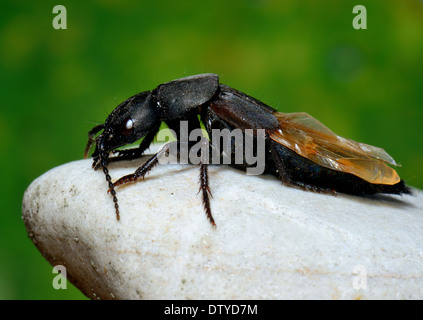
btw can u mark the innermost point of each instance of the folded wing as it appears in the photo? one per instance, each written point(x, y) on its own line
point(311, 139)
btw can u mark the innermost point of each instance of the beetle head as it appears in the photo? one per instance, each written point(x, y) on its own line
point(130, 121)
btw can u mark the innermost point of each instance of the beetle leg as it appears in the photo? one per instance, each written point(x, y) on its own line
point(140, 172)
point(205, 190)
point(313, 188)
point(204, 180)
point(112, 191)
point(104, 158)
point(281, 172)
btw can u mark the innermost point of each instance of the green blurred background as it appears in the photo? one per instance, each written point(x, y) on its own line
point(366, 85)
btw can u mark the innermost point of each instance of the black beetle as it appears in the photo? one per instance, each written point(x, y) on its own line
point(299, 150)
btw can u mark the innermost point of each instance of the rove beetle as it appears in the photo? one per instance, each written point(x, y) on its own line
point(299, 150)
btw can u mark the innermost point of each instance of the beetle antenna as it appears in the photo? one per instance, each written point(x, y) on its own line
point(109, 181)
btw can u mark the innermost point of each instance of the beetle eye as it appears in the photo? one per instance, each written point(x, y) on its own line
point(128, 128)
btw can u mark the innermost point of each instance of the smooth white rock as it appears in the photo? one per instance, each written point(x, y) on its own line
point(271, 241)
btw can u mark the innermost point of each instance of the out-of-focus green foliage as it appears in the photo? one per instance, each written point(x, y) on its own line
point(294, 55)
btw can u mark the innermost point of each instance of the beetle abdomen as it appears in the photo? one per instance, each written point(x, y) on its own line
point(307, 172)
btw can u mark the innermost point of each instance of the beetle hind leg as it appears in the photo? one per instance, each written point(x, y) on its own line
point(313, 188)
point(205, 190)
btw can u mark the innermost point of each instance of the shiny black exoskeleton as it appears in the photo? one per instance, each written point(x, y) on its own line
point(219, 107)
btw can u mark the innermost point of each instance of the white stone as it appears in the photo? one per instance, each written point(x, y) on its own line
point(271, 241)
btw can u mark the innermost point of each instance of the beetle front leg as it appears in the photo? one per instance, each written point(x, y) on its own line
point(142, 171)
point(146, 167)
